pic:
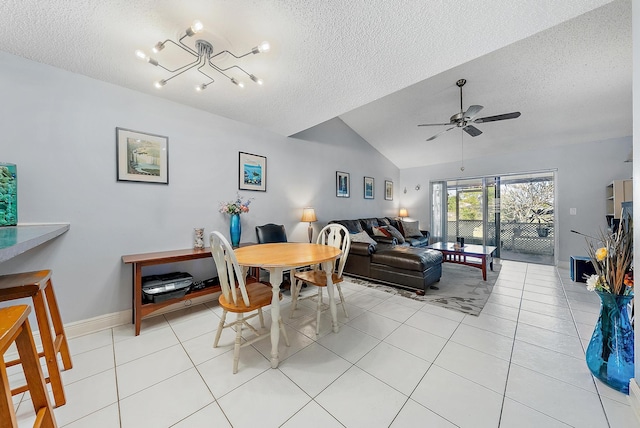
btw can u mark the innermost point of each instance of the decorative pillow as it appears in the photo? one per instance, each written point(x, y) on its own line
point(381, 231)
point(362, 237)
point(411, 228)
point(396, 234)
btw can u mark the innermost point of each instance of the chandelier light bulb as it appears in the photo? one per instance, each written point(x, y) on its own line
point(201, 88)
point(256, 79)
point(235, 82)
point(158, 47)
point(141, 55)
point(160, 83)
point(264, 47)
point(196, 27)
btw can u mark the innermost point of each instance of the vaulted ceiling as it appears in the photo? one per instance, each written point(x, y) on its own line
point(382, 66)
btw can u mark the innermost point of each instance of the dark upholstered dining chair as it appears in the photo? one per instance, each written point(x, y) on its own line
point(272, 233)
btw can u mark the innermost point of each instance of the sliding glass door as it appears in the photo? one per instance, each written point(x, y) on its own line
point(512, 212)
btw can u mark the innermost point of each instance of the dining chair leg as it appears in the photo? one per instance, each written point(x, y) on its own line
point(220, 327)
point(236, 347)
point(295, 292)
point(318, 310)
point(344, 307)
point(261, 317)
point(284, 332)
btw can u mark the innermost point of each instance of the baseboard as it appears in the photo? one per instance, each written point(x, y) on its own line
point(634, 397)
point(103, 322)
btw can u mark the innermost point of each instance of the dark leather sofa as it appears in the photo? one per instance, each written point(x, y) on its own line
point(407, 265)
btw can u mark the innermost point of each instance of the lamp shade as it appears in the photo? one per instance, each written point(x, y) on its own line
point(403, 213)
point(308, 214)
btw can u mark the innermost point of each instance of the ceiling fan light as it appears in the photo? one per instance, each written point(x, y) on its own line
point(256, 79)
point(196, 27)
point(160, 83)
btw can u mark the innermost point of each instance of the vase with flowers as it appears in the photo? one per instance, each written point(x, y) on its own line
point(234, 209)
point(610, 355)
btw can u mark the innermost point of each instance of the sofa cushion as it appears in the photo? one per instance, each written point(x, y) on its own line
point(408, 258)
point(363, 237)
point(368, 224)
point(353, 226)
point(396, 234)
point(418, 241)
point(411, 228)
point(381, 231)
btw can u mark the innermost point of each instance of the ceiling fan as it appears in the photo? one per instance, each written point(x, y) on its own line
point(464, 119)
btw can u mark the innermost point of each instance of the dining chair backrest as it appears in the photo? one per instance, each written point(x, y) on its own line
point(229, 271)
point(270, 233)
point(337, 236)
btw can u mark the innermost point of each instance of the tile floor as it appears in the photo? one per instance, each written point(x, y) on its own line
point(395, 362)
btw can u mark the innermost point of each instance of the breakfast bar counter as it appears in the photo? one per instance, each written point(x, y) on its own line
point(15, 240)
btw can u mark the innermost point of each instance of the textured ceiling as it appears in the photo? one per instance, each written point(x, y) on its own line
point(382, 66)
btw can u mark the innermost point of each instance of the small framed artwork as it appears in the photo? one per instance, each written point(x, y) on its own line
point(142, 157)
point(253, 172)
point(342, 184)
point(368, 187)
point(388, 190)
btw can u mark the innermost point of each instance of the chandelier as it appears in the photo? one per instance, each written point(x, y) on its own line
point(203, 59)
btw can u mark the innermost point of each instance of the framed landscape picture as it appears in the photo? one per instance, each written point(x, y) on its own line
point(388, 190)
point(342, 184)
point(368, 188)
point(252, 172)
point(142, 157)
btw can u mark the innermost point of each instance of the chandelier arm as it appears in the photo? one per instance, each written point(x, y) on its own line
point(202, 72)
point(219, 70)
point(185, 68)
point(182, 68)
point(232, 54)
point(233, 66)
point(185, 47)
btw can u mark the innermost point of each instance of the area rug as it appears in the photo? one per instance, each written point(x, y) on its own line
point(461, 288)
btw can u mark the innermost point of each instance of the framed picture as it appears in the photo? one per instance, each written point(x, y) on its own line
point(252, 172)
point(388, 190)
point(342, 184)
point(142, 157)
point(368, 187)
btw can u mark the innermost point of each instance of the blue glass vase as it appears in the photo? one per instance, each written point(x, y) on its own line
point(610, 351)
point(235, 230)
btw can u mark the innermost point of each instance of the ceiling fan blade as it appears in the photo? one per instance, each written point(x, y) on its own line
point(472, 130)
point(472, 111)
point(435, 124)
point(505, 116)
point(440, 133)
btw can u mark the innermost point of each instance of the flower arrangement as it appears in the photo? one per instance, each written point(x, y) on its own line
point(612, 261)
point(238, 206)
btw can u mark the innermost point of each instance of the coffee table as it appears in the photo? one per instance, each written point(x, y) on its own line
point(469, 255)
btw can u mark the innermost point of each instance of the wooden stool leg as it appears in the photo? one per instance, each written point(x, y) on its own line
point(6, 403)
point(35, 380)
point(49, 349)
point(58, 328)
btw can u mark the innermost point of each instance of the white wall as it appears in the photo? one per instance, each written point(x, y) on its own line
point(583, 171)
point(59, 129)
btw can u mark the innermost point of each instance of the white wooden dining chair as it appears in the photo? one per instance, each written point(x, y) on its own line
point(337, 236)
point(245, 300)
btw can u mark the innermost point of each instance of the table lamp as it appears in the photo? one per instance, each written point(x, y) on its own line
point(309, 215)
point(403, 213)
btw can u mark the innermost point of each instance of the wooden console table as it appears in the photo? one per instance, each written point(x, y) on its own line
point(139, 261)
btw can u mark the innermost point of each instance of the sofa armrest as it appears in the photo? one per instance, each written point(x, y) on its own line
point(362, 248)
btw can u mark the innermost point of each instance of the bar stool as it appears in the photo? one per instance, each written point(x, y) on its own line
point(39, 287)
point(14, 327)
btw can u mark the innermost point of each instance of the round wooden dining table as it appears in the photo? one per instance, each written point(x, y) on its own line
point(281, 256)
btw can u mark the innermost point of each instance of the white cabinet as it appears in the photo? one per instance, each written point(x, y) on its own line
point(618, 191)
